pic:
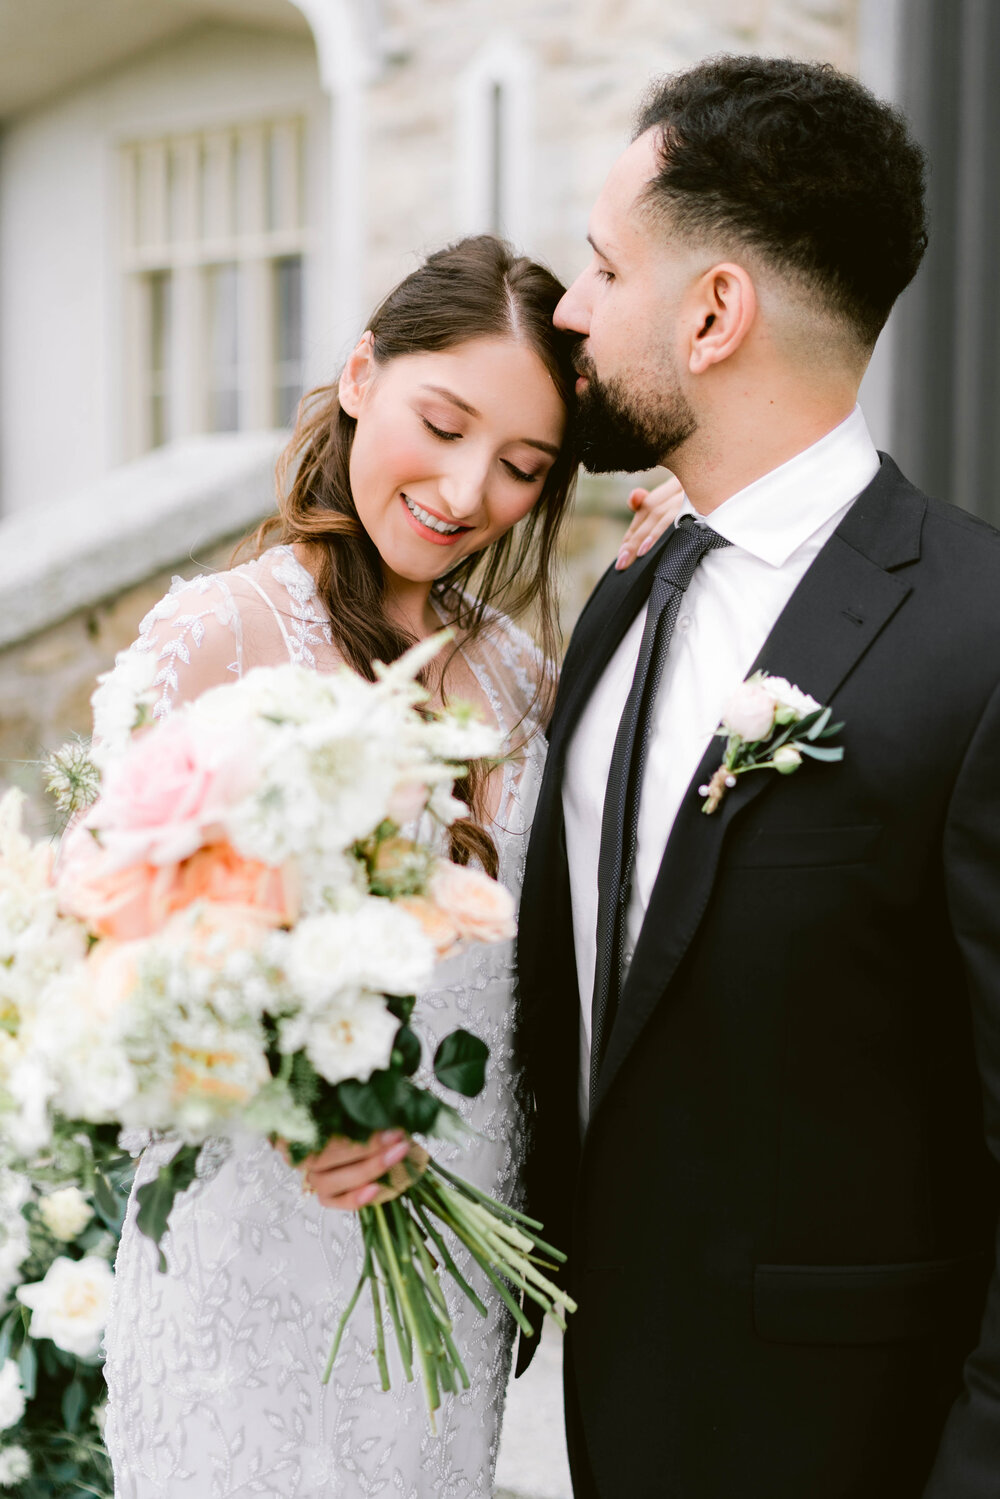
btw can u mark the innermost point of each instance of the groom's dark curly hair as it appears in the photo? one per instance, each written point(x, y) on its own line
point(799, 164)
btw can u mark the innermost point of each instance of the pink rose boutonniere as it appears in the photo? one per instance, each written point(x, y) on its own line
point(769, 725)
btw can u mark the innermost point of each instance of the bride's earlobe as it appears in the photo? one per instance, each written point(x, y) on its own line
point(356, 375)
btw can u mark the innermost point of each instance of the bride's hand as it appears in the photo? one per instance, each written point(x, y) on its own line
point(655, 510)
point(344, 1173)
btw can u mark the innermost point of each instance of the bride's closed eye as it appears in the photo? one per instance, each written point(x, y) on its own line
point(440, 431)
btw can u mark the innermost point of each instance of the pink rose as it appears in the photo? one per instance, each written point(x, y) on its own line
point(170, 792)
point(749, 712)
point(481, 909)
point(113, 901)
point(437, 924)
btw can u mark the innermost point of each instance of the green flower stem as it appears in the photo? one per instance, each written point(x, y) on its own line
point(402, 1333)
point(342, 1324)
point(428, 1265)
point(409, 1316)
point(449, 1262)
point(468, 1189)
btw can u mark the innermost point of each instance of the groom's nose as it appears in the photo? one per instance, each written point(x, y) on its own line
point(572, 310)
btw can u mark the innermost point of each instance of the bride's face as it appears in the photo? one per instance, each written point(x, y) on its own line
point(451, 449)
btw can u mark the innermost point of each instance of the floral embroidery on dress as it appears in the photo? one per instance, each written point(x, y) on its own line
point(214, 1368)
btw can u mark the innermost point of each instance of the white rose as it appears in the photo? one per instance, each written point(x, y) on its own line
point(70, 1305)
point(353, 1040)
point(749, 714)
point(792, 704)
point(378, 947)
point(11, 1395)
point(786, 759)
point(15, 1465)
point(65, 1213)
point(481, 908)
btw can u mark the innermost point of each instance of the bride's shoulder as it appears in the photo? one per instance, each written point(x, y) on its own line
point(211, 628)
point(526, 671)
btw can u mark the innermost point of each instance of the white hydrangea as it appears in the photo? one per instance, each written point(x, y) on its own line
point(65, 1213)
point(11, 1395)
point(117, 701)
point(15, 1192)
point(15, 1466)
point(799, 703)
point(70, 1305)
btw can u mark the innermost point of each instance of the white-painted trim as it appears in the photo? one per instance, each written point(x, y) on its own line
point(880, 47)
point(505, 63)
point(346, 37)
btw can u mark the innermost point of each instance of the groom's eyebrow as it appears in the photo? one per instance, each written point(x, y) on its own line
point(449, 395)
point(591, 241)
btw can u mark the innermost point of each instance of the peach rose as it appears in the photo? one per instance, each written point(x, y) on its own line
point(437, 924)
point(170, 791)
point(135, 901)
point(220, 875)
point(114, 902)
point(210, 933)
point(482, 909)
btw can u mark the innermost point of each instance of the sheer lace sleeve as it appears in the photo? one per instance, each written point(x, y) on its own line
point(195, 635)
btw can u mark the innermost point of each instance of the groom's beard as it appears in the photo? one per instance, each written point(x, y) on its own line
point(618, 434)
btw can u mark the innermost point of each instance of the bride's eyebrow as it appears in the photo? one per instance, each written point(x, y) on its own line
point(449, 395)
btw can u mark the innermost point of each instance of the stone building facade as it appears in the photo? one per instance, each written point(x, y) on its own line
point(152, 330)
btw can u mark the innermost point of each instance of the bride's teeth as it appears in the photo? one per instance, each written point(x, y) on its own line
point(430, 521)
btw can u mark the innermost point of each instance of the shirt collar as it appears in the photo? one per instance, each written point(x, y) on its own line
point(772, 517)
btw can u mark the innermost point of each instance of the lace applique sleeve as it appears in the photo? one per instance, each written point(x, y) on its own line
point(529, 675)
point(195, 634)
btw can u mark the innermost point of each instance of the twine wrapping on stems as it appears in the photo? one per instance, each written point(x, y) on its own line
point(402, 1176)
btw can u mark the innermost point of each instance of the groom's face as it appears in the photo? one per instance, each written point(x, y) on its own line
point(628, 303)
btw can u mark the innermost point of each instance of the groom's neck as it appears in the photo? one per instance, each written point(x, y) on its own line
point(744, 434)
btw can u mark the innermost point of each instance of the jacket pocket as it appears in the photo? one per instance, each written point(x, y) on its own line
point(798, 848)
point(868, 1303)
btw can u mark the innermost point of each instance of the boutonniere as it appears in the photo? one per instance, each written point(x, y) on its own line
point(769, 725)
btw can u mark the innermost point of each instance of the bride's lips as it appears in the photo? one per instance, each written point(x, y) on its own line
point(426, 532)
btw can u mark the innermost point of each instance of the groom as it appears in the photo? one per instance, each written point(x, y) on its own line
point(765, 1042)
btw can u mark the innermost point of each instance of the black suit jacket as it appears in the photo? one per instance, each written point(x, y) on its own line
point(782, 1219)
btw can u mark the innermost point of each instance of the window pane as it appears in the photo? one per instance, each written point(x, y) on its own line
point(287, 337)
point(223, 348)
point(158, 369)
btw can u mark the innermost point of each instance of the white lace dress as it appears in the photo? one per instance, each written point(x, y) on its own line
point(214, 1367)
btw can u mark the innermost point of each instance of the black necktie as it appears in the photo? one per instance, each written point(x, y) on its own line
point(620, 822)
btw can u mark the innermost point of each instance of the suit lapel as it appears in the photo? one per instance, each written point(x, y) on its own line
point(844, 601)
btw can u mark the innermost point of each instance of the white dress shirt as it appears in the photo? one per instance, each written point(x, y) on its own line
point(776, 527)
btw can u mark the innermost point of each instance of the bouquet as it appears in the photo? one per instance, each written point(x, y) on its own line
point(239, 929)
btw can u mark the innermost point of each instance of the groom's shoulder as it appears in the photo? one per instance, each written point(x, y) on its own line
point(962, 548)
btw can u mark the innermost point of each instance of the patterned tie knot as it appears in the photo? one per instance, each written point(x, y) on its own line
point(685, 549)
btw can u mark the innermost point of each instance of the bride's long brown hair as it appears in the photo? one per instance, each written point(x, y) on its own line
point(477, 288)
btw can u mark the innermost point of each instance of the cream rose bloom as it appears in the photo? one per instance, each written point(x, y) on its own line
point(481, 908)
point(70, 1305)
point(65, 1213)
point(797, 703)
point(749, 713)
point(11, 1395)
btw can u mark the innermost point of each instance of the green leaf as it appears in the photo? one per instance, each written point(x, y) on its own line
point(407, 1045)
point(74, 1403)
point(813, 725)
point(7, 1329)
point(362, 1103)
point(27, 1363)
point(156, 1198)
point(420, 1111)
point(830, 730)
point(108, 1203)
point(401, 1005)
point(815, 753)
point(460, 1063)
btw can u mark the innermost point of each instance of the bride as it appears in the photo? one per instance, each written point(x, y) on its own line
point(427, 488)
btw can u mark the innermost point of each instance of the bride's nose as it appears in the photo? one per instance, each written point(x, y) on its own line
point(463, 490)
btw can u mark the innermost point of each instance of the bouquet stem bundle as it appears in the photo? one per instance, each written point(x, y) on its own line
point(403, 1251)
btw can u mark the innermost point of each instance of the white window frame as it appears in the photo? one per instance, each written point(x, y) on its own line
point(506, 69)
point(240, 232)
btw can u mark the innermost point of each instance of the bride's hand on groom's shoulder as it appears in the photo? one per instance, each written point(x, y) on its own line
point(344, 1173)
point(655, 510)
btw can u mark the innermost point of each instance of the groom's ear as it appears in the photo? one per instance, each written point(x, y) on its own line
point(724, 308)
point(357, 375)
